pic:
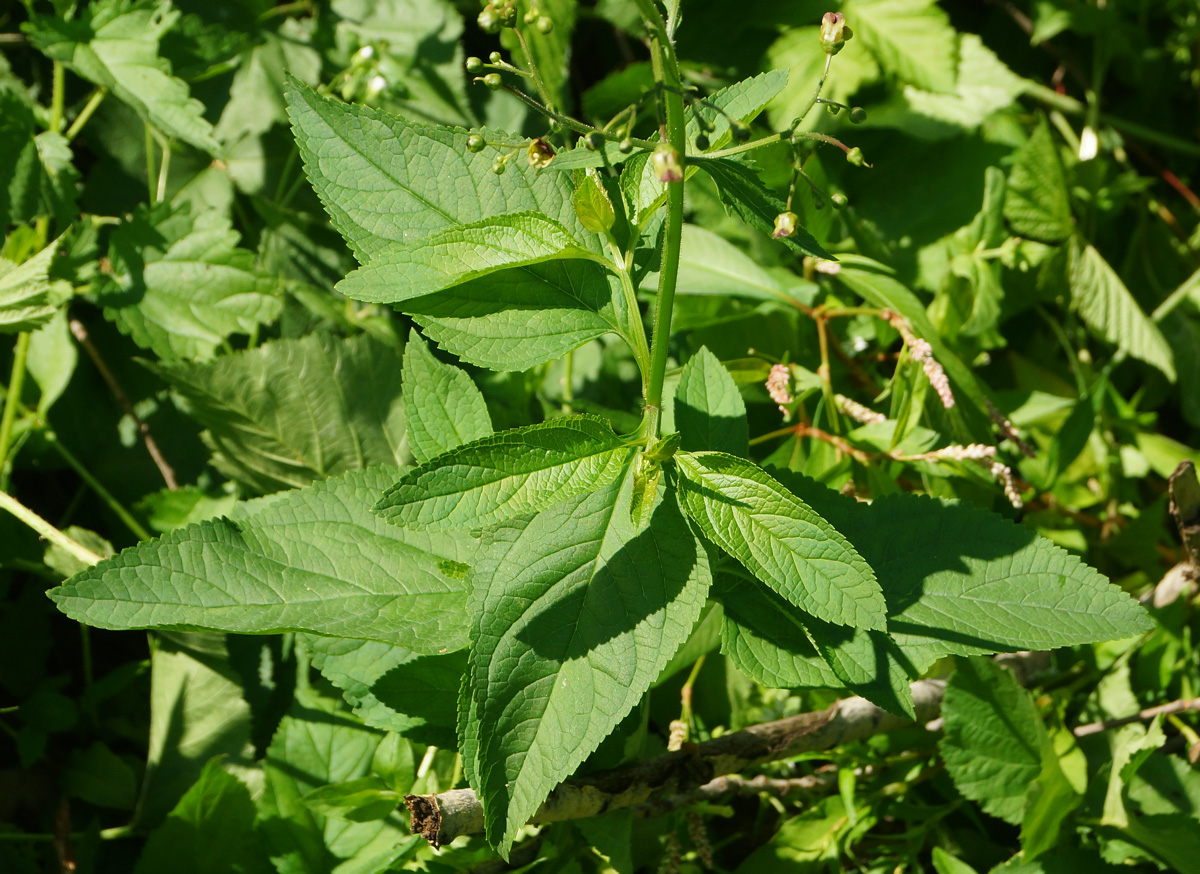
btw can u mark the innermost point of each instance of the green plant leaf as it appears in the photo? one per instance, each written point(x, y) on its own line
point(1038, 204)
point(180, 285)
point(523, 470)
point(577, 610)
point(994, 741)
point(551, 51)
point(28, 296)
point(520, 318)
point(709, 411)
point(592, 204)
point(772, 641)
point(961, 581)
point(460, 254)
point(114, 44)
point(912, 39)
point(385, 180)
point(350, 575)
point(443, 407)
point(393, 688)
point(744, 195)
point(779, 538)
point(1108, 307)
point(315, 745)
point(210, 831)
point(294, 411)
point(710, 265)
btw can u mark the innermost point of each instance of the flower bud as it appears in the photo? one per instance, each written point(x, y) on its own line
point(855, 157)
point(493, 81)
point(545, 24)
point(839, 200)
point(702, 143)
point(858, 115)
point(594, 141)
point(507, 11)
point(785, 225)
point(476, 143)
point(834, 32)
point(495, 58)
point(740, 132)
point(626, 146)
point(489, 19)
point(474, 65)
point(667, 166)
point(499, 166)
point(539, 153)
point(531, 16)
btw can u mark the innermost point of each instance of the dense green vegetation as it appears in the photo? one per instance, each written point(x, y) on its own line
point(419, 397)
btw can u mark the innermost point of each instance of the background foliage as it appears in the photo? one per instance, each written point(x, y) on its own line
point(178, 355)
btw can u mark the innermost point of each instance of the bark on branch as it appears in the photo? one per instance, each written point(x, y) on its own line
point(441, 818)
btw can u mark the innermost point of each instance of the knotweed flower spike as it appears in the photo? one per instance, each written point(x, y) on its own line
point(1003, 473)
point(922, 353)
point(779, 387)
point(858, 412)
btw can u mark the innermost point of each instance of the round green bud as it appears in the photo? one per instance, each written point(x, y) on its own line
point(740, 132)
point(476, 143)
point(531, 16)
point(493, 81)
point(495, 58)
point(702, 143)
point(489, 19)
point(545, 24)
point(855, 157)
point(839, 200)
point(858, 115)
point(499, 166)
point(626, 146)
point(474, 64)
point(594, 140)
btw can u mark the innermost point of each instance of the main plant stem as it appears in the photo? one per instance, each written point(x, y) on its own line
point(666, 73)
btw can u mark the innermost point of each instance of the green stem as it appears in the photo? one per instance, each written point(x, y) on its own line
point(666, 70)
point(105, 834)
point(139, 531)
point(86, 113)
point(13, 397)
point(150, 174)
point(635, 331)
point(164, 170)
point(533, 70)
point(57, 91)
point(48, 531)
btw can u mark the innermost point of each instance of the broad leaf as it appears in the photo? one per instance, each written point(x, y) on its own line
point(912, 39)
point(1038, 204)
point(350, 575)
point(995, 741)
point(709, 264)
point(386, 181)
point(316, 744)
point(1108, 308)
point(772, 641)
point(210, 831)
point(520, 318)
point(294, 411)
point(114, 44)
point(779, 538)
point(394, 688)
point(744, 195)
point(962, 581)
point(28, 296)
point(709, 411)
point(180, 285)
point(459, 254)
point(577, 610)
point(519, 471)
point(443, 407)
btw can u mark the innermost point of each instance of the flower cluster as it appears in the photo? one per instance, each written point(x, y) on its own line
point(1003, 473)
point(858, 412)
point(922, 353)
point(779, 382)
